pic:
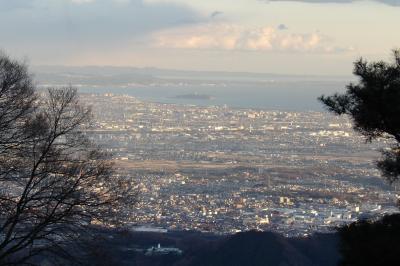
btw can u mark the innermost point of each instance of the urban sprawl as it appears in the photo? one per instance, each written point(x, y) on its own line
point(224, 170)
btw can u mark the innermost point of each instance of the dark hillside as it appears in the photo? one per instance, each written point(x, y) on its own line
point(265, 248)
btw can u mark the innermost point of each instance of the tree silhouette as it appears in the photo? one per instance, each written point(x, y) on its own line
point(54, 182)
point(374, 106)
point(371, 242)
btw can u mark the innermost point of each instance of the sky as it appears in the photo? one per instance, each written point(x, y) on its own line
point(268, 36)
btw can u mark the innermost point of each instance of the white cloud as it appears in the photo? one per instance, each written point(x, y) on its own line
point(223, 36)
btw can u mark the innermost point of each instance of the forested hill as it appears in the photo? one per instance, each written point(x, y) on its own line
point(199, 249)
point(265, 248)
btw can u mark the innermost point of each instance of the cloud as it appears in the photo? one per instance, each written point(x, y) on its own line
point(223, 36)
point(391, 2)
point(282, 27)
point(82, 1)
point(88, 21)
point(216, 14)
point(7, 5)
point(92, 1)
point(387, 2)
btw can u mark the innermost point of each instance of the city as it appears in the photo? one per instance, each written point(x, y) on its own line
point(225, 170)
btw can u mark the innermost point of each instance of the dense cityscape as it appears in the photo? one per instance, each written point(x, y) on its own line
point(224, 170)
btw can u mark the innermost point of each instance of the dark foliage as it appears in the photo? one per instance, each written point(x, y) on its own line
point(321, 249)
point(371, 242)
point(374, 106)
point(119, 247)
point(265, 248)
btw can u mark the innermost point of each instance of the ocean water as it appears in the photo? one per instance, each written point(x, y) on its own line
point(288, 96)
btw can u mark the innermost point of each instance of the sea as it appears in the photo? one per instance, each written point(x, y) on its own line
point(285, 96)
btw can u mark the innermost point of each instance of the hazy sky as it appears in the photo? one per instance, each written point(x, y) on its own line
point(298, 37)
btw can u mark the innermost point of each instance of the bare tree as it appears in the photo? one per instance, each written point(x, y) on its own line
point(17, 96)
point(54, 183)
